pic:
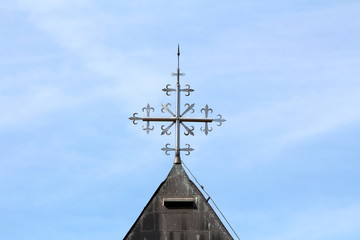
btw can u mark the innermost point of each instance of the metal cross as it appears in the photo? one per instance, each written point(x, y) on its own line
point(177, 118)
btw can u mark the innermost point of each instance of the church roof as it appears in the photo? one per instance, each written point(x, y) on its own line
point(176, 211)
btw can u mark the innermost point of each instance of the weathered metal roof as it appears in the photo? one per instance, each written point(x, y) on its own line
point(178, 211)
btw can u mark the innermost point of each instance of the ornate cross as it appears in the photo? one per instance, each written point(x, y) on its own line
point(177, 118)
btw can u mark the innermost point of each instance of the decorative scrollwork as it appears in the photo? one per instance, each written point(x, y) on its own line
point(206, 109)
point(148, 128)
point(188, 90)
point(148, 109)
point(189, 108)
point(177, 118)
point(165, 107)
point(206, 130)
point(167, 149)
point(188, 149)
point(189, 131)
point(220, 120)
point(168, 90)
point(134, 118)
point(166, 130)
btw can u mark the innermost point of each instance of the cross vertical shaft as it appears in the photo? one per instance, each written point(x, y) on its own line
point(177, 124)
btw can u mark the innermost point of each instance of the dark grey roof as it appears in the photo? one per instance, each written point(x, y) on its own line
point(178, 211)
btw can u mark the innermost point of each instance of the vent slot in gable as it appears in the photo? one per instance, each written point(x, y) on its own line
point(179, 203)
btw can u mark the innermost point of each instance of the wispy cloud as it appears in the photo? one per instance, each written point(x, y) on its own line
point(280, 73)
point(307, 115)
point(82, 34)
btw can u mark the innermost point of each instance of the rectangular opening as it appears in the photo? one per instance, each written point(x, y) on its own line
point(179, 203)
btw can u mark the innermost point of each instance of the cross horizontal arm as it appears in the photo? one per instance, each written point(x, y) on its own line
point(173, 119)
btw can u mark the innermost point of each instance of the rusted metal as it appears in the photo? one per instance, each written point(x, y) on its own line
point(173, 119)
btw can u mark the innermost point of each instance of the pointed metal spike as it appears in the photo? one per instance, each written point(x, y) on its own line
point(178, 54)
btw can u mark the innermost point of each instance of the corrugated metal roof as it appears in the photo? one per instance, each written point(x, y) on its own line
point(178, 211)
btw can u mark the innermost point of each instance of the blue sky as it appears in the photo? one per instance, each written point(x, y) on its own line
point(285, 75)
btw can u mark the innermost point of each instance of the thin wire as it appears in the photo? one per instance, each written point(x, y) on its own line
point(210, 198)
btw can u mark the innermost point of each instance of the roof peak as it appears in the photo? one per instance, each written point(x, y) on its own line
point(177, 170)
point(178, 210)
